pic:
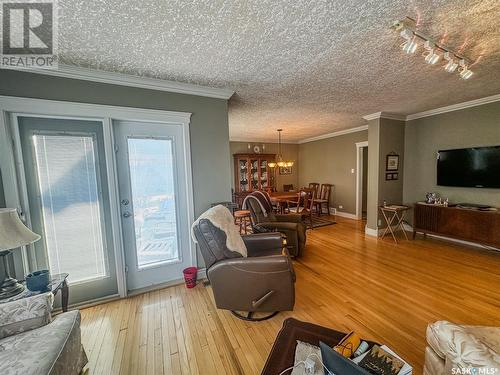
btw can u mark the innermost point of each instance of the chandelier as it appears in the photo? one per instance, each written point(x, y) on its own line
point(279, 158)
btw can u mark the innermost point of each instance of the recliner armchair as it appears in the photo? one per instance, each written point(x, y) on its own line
point(291, 225)
point(262, 282)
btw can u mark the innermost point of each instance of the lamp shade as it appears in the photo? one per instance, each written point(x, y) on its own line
point(13, 233)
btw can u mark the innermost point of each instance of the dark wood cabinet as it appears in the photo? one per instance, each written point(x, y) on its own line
point(465, 224)
point(252, 172)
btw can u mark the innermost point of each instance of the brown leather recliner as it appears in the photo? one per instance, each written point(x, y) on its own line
point(262, 282)
point(291, 225)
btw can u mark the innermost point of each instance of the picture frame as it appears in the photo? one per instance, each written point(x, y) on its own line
point(388, 176)
point(286, 170)
point(395, 176)
point(392, 162)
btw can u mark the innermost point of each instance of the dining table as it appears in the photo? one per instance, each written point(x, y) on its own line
point(280, 198)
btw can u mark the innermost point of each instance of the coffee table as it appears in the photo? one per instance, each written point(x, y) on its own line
point(282, 354)
point(58, 282)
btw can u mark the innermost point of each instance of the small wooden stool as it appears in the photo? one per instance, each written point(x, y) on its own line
point(242, 218)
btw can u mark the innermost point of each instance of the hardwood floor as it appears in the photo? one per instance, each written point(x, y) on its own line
point(346, 281)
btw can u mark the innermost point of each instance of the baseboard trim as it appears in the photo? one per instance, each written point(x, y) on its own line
point(371, 232)
point(409, 228)
point(346, 215)
point(202, 274)
point(91, 303)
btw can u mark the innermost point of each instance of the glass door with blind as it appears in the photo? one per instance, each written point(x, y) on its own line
point(68, 198)
point(153, 201)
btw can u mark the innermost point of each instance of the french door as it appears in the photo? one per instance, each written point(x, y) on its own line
point(68, 195)
point(153, 201)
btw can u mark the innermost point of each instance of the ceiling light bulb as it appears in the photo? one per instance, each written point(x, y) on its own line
point(451, 66)
point(407, 34)
point(432, 57)
point(466, 73)
point(410, 46)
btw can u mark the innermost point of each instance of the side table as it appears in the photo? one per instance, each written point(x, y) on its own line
point(58, 282)
point(394, 216)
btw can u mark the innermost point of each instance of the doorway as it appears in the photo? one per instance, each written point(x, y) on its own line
point(153, 201)
point(361, 180)
point(70, 169)
point(68, 195)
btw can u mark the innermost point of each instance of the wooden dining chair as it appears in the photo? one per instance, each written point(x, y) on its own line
point(315, 186)
point(304, 204)
point(323, 198)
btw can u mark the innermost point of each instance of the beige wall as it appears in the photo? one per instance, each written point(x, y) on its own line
point(475, 126)
point(289, 151)
point(331, 160)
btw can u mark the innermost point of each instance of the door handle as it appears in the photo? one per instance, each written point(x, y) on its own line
point(126, 214)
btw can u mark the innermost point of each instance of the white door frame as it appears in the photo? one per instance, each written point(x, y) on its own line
point(359, 178)
point(15, 186)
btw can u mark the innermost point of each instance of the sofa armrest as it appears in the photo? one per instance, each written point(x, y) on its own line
point(279, 226)
point(264, 242)
point(290, 218)
point(25, 314)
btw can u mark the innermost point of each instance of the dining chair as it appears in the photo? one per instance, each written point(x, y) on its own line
point(287, 188)
point(323, 198)
point(315, 186)
point(304, 204)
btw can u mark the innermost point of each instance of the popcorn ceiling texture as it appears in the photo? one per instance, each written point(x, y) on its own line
point(310, 66)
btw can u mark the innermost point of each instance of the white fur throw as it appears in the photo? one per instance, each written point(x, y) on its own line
point(221, 218)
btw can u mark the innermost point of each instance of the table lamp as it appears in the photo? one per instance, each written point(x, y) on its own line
point(13, 234)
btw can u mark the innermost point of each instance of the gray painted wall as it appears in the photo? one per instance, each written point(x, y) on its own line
point(289, 151)
point(330, 161)
point(385, 137)
point(209, 122)
point(476, 126)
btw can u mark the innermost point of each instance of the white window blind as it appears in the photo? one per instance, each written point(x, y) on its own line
point(71, 205)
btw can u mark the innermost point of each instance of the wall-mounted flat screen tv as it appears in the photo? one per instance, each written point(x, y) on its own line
point(469, 167)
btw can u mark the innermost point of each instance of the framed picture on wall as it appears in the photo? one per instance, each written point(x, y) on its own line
point(285, 170)
point(392, 162)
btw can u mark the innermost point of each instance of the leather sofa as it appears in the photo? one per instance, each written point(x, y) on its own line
point(455, 349)
point(261, 282)
point(291, 225)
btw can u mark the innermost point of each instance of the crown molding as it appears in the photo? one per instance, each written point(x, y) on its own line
point(334, 134)
point(253, 140)
point(390, 116)
point(101, 76)
point(454, 107)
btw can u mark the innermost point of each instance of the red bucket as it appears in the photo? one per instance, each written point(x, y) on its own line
point(190, 276)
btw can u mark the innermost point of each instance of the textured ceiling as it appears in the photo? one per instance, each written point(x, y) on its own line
point(310, 67)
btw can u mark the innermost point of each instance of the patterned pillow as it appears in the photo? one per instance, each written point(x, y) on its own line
point(25, 314)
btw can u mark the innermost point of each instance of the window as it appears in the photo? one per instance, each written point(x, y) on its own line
point(70, 196)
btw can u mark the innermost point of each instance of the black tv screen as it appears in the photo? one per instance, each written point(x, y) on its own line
point(469, 167)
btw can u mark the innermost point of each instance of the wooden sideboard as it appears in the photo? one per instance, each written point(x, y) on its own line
point(460, 223)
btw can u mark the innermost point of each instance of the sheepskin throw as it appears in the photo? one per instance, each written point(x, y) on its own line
point(222, 218)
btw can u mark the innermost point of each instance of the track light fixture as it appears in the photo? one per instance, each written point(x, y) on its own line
point(432, 51)
point(451, 65)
